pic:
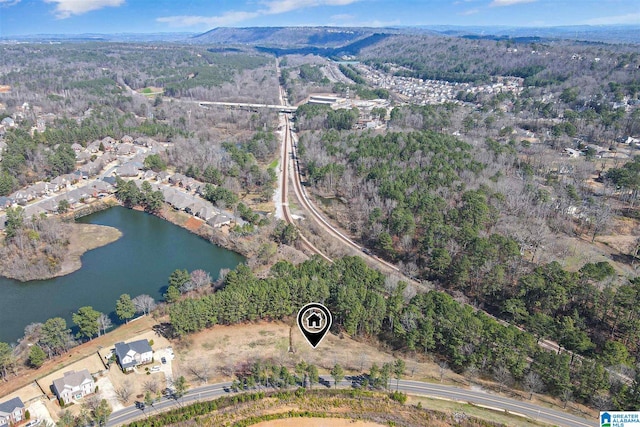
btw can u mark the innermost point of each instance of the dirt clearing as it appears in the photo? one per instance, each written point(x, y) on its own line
point(224, 351)
point(193, 224)
point(316, 422)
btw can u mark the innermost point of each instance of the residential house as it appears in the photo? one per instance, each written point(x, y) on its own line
point(130, 355)
point(91, 168)
point(570, 152)
point(94, 147)
point(49, 206)
point(62, 181)
point(42, 188)
point(163, 176)
point(149, 175)
point(125, 149)
point(83, 156)
point(130, 169)
point(219, 220)
point(181, 201)
point(194, 207)
point(127, 139)
point(11, 412)
point(33, 210)
point(76, 147)
point(79, 175)
point(73, 386)
point(108, 140)
point(5, 202)
point(143, 141)
point(21, 197)
point(8, 122)
point(178, 179)
point(101, 188)
point(206, 212)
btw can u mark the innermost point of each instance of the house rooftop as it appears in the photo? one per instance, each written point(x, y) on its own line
point(122, 349)
point(9, 406)
point(71, 379)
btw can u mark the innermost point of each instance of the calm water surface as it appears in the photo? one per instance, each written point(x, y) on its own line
point(138, 263)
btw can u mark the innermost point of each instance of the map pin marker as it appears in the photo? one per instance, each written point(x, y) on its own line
point(314, 321)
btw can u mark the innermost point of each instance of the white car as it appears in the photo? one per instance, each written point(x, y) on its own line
point(33, 423)
point(155, 368)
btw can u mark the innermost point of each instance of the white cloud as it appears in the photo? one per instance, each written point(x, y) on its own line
point(629, 18)
point(7, 3)
point(274, 7)
point(509, 2)
point(66, 8)
point(228, 18)
point(469, 12)
point(270, 7)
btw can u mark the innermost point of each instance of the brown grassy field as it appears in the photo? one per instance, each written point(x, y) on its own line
point(317, 422)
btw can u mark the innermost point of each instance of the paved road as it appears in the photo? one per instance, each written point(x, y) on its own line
point(522, 408)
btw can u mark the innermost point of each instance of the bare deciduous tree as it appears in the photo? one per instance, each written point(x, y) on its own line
point(144, 304)
point(33, 331)
point(601, 400)
point(532, 383)
point(92, 402)
point(200, 279)
point(201, 370)
point(104, 323)
point(151, 386)
point(123, 393)
point(566, 396)
point(443, 366)
point(502, 376)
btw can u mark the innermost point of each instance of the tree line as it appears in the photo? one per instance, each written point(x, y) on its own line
point(428, 323)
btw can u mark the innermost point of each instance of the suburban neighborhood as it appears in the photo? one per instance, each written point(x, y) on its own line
point(98, 165)
point(117, 373)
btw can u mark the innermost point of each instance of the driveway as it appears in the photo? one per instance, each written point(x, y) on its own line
point(38, 410)
point(107, 391)
point(167, 353)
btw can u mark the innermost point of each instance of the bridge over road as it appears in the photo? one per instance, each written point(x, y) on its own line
point(280, 108)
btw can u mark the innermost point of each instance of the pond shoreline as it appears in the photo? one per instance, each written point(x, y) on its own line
point(87, 237)
point(138, 263)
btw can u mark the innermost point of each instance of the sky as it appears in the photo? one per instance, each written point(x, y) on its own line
point(26, 17)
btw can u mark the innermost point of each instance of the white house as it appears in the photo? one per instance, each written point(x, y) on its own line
point(11, 412)
point(74, 385)
point(132, 354)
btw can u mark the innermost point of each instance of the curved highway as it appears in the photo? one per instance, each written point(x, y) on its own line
point(491, 401)
point(307, 204)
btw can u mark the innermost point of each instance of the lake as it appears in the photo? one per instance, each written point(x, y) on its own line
point(140, 262)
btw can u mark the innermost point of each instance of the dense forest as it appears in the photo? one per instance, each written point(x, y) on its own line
point(65, 74)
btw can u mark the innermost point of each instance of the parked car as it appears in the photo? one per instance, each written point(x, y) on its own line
point(163, 360)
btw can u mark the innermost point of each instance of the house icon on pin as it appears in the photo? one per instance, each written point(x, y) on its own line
point(605, 419)
point(314, 321)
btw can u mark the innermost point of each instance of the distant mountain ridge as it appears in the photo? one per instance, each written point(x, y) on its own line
point(339, 37)
point(325, 37)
